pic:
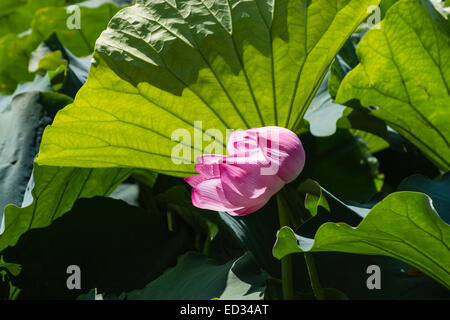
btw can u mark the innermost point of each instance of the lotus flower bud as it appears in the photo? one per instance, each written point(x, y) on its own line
point(259, 163)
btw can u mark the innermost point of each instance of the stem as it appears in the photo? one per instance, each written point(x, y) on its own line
point(169, 220)
point(287, 282)
point(13, 292)
point(313, 276)
point(286, 262)
point(198, 241)
point(207, 245)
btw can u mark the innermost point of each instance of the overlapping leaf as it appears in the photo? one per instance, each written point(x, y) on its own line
point(196, 277)
point(438, 190)
point(21, 127)
point(118, 247)
point(40, 19)
point(54, 194)
point(16, 16)
point(79, 39)
point(404, 226)
point(67, 72)
point(340, 270)
point(37, 201)
point(162, 65)
point(405, 72)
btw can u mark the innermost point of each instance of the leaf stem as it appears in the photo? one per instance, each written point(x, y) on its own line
point(313, 276)
point(287, 282)
point(207, 246)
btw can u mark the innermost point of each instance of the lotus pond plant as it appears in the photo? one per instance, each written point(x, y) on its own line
point(231, 150)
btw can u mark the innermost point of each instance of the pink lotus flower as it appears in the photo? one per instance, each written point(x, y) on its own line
point(259, 163)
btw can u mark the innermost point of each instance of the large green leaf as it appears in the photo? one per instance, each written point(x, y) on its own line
point(342, 165)
point(385, 5)
point(439, 13)
point(80, 41)
point(68, 72)
point(21, 127)
point(344, 271)
point(196, 277)
point(14, 56)
point(391, 76)
point(40, 83)
point(18, 18)
point(162, 65)
point(23, 117)
point(51, 193)
point(6, 6)
point(404, 226)
point(323, 112)
point(16, 49)
point(118, 248)
point(438, 190)
point(257, 232)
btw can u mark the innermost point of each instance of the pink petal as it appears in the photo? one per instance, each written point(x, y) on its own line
point(243, 185)
point(193, 181)
point(211, 159)
point(208, 170)
point(242, 142)
point(292, 156)
point(248, 210)
point(209, 195)
point(283, 149)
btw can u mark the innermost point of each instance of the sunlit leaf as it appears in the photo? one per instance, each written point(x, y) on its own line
point(404, 226)
point(160, 67)
point(391, 76)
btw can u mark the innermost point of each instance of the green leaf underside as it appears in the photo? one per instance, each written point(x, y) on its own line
point(160, 66)
point(314, 197)
point(14, 56)
point(438, 190)
point(405, 71)
point(80, 42)
point(96, 235)
point(44, 18)
point(54, 194)
point(18, 18)
point(404, 226)
point(52, 191)
point(23, 118)
point(196, 277)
